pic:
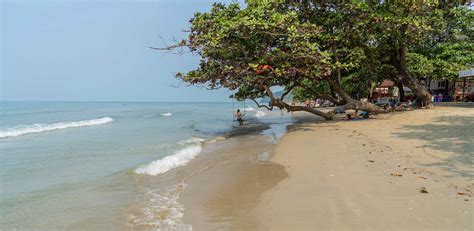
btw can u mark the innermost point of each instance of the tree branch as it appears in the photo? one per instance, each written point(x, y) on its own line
point(338, 89)
point(264, 106)
point(269, 93)
point(326, 97)
point(287, 91)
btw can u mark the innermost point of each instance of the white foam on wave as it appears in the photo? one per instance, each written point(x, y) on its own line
point(180, 158)
point(37, 128)
point(249, 109)
point(260, 114)
point(160, 210)
point(167, 114)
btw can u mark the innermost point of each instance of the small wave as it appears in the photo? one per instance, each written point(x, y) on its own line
point(37, 128)
point(180, 158)
point(167, 114)
point(191, 140)
point(215, 140)
point(249, 109)
point(260, 114)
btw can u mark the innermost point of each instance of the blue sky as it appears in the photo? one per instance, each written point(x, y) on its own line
point(96, 51)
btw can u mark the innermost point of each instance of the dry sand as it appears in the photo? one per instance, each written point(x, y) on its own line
point(358, 175)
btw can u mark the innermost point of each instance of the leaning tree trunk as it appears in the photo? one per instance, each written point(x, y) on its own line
point(352, 103)
point(281, 105)
point(278, 102)
point(423, 96)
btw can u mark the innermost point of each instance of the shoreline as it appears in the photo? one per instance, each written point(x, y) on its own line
point(346, 174)
point(225, 193)
point(159, 201)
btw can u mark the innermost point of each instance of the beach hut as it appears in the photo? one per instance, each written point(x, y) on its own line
point(384, 89)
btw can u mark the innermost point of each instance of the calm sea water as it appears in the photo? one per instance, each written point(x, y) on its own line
point(82, 159)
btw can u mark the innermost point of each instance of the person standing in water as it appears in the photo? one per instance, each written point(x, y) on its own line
point(239, 116)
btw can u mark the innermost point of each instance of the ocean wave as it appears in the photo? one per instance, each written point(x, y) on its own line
point(167, 114)
point(180, 158)
point(260, 114)
point(37, 128)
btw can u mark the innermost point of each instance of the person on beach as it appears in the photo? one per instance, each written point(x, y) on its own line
point(349, 116)
point(239, 117)
point(364, 114)
point(340, 109)
point(355, 116)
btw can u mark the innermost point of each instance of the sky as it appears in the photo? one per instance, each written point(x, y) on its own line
point(89, 50)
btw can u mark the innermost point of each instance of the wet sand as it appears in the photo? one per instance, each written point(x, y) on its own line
point(224, 195)
point(408, 171)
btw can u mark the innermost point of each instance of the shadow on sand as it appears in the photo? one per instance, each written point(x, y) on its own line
point(454, 134)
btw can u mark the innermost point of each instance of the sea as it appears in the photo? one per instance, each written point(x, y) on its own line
point(84, 165)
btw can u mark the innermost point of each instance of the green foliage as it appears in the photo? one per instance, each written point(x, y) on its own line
point(437, 34)
point(248, 49)
point(310, 90)
point(419, 66)
point(302, 45)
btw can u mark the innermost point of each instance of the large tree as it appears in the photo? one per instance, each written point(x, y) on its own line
point(264, 45)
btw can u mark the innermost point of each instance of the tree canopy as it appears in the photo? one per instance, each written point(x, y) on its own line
point(329, 50)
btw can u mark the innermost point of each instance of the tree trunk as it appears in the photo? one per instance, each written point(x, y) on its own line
point(352, 103)
point(281, 104)
point(274, 102)
point(423, 96)
point(401, 92)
